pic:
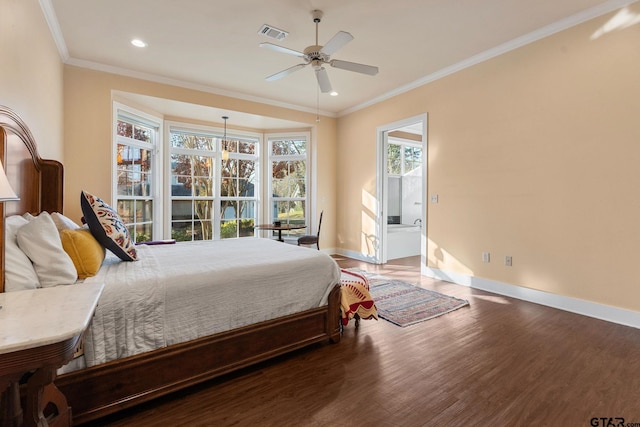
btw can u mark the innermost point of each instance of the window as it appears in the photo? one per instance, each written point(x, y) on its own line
point(180, 187)
point(238, 189)
point(136, 190)
point(394, 159)
point(403, 158)
point(192, 177)
point(412, 158)
point(203, 184)
point(288, 158)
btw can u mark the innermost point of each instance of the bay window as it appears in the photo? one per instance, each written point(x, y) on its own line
point(181, 187)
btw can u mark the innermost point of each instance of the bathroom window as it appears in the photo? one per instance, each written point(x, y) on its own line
point(403, 158)
point(412, 158)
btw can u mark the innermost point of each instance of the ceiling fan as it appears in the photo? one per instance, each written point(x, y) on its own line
point(317, 56)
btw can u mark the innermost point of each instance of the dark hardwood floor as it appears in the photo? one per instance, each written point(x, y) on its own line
point(498, 362)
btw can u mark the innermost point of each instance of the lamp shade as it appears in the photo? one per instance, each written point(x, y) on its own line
point(6, 192)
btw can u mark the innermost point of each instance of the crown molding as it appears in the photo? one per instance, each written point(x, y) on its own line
point(193, 86)
point(54, 27)
point(516, 43)
point(56, 32)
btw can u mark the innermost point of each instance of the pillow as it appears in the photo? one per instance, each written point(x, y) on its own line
point(19, 273)
point(107, 227)
point(62, 222)
point(40, 241)
point(27, 216)
point(84, 250)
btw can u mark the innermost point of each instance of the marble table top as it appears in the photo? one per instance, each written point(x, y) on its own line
point(34, 318)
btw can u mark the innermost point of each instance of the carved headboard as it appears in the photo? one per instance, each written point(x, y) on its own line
point(38, 182)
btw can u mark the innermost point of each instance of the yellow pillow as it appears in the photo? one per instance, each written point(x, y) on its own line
point(84, 250)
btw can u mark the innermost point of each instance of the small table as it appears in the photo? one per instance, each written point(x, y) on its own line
point(280, 228)
point(39, 332)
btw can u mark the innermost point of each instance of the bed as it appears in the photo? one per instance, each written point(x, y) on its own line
point(165, 349)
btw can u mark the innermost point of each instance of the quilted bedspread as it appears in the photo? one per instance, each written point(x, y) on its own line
point(176, 293)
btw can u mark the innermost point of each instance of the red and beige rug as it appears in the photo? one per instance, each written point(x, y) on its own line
point(405, 304)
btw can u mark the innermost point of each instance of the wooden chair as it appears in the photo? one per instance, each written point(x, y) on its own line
point(312, 239)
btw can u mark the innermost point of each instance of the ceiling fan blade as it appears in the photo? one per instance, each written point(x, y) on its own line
point(286, 72)
point(282, 49)
point(336, 43)
point(323, 80)
point(354, 66)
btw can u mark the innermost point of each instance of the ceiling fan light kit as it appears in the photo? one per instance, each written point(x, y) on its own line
point(317, 55)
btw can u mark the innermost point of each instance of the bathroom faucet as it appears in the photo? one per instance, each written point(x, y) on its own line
point(419, 220)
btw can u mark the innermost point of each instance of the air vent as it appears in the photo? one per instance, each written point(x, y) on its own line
point(273, 32)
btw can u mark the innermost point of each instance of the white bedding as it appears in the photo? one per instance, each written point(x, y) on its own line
point(180, 292)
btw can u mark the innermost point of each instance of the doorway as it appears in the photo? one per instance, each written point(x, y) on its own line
point(402, 189)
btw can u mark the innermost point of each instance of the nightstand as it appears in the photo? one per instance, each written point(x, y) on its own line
point(39, 332)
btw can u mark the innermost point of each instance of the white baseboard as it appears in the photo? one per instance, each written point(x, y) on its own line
point(355, 255)
point(329, 251)
point(574, 305)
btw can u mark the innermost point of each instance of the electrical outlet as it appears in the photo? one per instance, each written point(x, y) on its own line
point(434, 198)
point(508, 261)
point(486, 257)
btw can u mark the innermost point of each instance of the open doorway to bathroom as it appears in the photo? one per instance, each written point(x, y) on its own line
point(401, 187)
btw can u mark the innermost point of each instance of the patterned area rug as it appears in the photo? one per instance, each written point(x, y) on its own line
point(405, 304)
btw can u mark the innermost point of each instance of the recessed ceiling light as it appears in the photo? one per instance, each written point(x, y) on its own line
point(334, 93)
point(138, 43)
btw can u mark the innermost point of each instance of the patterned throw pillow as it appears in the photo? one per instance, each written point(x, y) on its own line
point(107, 227)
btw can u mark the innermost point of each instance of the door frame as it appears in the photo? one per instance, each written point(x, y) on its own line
point(382, 133)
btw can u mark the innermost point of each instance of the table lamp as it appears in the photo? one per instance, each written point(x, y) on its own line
point(6, 192)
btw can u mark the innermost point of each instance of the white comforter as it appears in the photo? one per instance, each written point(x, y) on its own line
point(180, 292)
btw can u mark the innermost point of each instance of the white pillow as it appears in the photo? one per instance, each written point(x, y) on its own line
point(19, 273)
point(40, 240)
point(63, 223)
point(27, 216)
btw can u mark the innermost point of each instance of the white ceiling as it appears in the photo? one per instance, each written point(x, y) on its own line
point(214, 45)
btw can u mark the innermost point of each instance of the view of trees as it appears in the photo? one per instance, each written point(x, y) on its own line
point(289, 180)
point(402, 159)
point(195, 175)
point(201, 180)
point(134, 177)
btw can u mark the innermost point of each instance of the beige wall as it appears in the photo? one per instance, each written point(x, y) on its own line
point(534, 154)
point(88, 135)
point(31, 73)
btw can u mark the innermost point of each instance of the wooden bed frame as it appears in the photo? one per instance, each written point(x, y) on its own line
point(100, 390)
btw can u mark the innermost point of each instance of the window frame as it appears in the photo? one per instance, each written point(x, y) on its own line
point(170, 150)
point(402, 143)
point(122, 111)
point(161, 167)
point(218, 134)
point(309, 187)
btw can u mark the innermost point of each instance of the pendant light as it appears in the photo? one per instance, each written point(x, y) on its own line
point(225, 151)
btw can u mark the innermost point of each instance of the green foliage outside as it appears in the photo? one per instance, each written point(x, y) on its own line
point(229, 230)
point(181, 235)
point(142, 237)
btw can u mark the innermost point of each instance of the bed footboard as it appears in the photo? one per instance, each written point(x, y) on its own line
point(104, 389)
